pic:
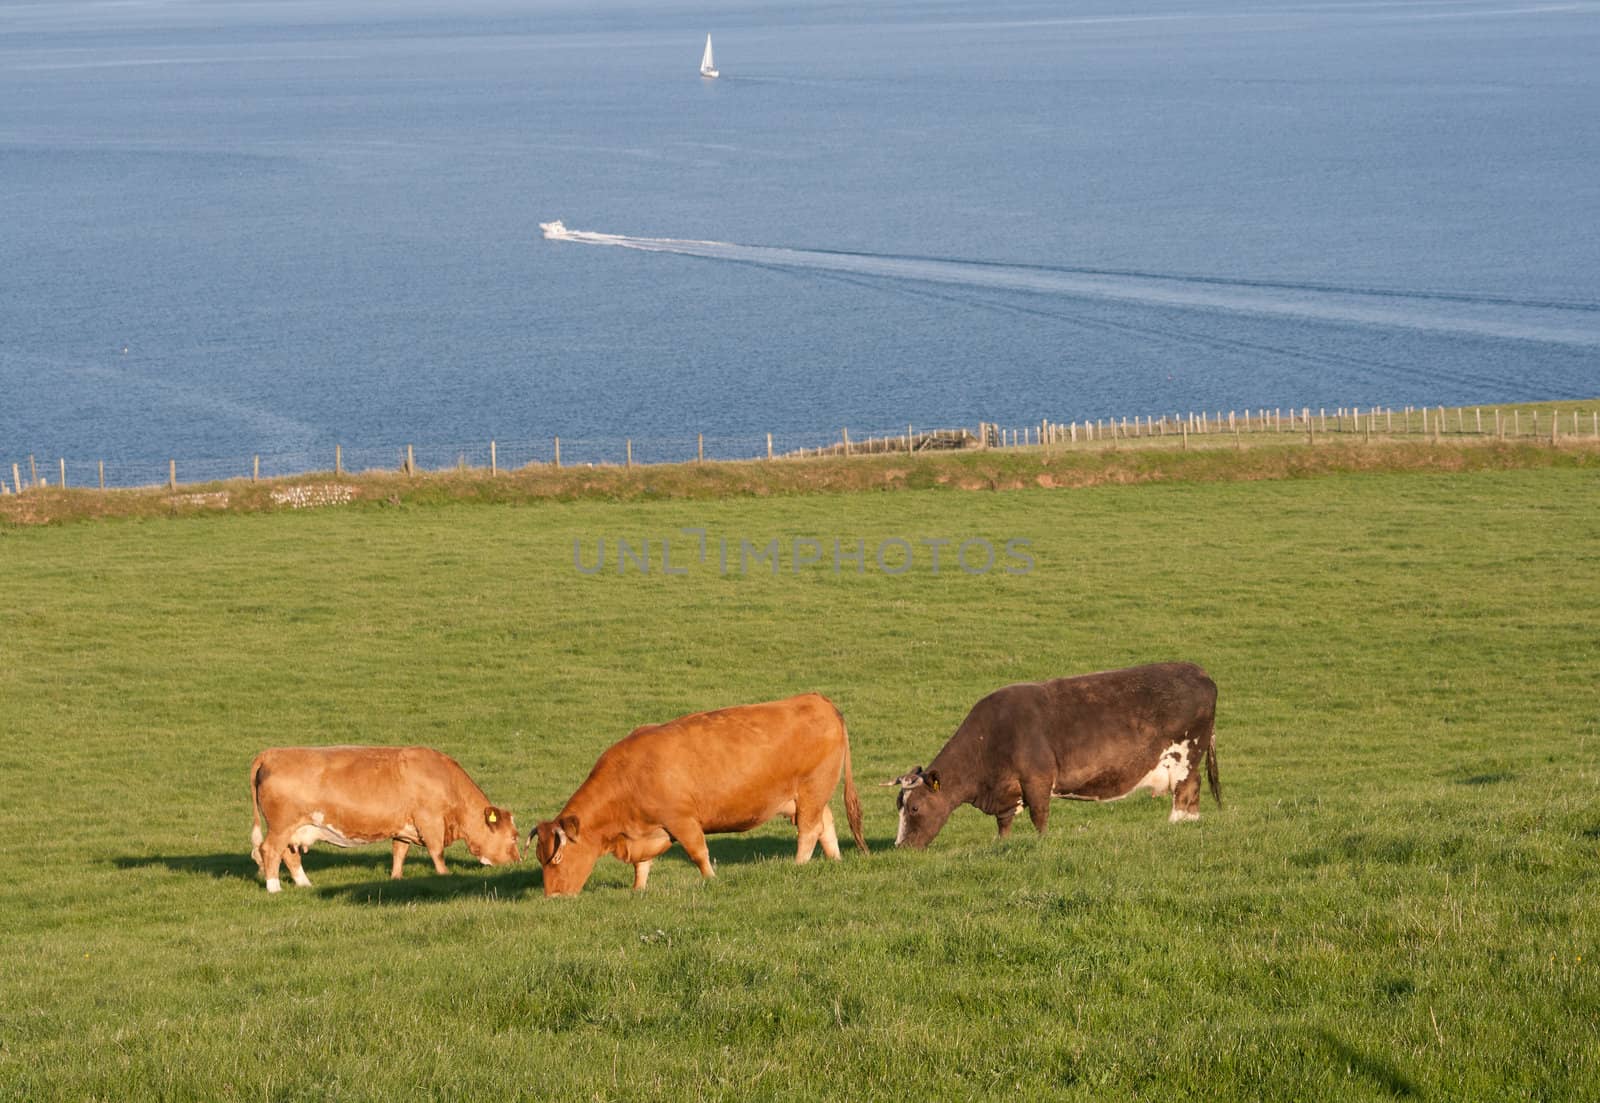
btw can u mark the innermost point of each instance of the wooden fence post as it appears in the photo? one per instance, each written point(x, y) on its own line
point(700, 448)
point(338, 459)
point(102, 474)
point(630, 451)
point(33, 472)
point(63, 460)
point(172, 474)
point(494, 460)
point(769, 446)
point(411, 461)
point(846, 434)
point(16, 478)
point(1185, 436)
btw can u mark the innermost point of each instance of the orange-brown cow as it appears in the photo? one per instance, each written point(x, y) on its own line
point(348, 796)
point(711, 772)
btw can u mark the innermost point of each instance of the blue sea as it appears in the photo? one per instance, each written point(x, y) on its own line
point(240, 227)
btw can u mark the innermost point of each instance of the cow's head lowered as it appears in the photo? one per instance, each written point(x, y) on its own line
point(566, 855)
point(923, 807)
point(493, 837)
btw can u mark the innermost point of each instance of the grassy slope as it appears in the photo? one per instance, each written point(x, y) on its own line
point(1394, 901)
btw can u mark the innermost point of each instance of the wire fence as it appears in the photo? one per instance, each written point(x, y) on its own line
point(22, 473)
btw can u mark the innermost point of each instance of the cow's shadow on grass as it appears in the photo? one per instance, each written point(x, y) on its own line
point(1381, 1071)
point(419, 883)
point(424, 886)
point(739, 849)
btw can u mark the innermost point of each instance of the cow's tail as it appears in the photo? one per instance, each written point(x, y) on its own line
point(255, 811)
point(852, 803)
point(1211, 771)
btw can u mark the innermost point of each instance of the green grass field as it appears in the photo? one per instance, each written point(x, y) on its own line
point(1398, 899)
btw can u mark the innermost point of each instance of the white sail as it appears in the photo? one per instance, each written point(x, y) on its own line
point(708, 65)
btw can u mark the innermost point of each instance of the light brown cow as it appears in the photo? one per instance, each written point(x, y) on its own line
point(348, 796)
point(707, 773)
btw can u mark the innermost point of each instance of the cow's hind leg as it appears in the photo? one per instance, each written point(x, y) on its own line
point(291, 858)
point(398, 862)
point(272, 848)
point(830, 837)
point(1036, 795)
point(1186, 798)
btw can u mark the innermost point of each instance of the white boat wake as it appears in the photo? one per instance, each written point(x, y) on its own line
point(1505, 317)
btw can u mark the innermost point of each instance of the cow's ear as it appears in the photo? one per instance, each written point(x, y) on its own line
point(492, 816)
point(569, 824)
point(932, 779)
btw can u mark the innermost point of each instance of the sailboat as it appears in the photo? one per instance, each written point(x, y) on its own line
point(708, 66)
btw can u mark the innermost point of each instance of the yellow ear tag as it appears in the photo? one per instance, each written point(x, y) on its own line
point(493, 818)
point(934, 786)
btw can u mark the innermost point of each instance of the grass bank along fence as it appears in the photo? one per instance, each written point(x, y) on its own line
point(1304, 425)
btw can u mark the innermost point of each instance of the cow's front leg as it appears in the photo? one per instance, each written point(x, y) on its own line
point(397, 864)
point(693, 840)
point(1003, 820)
point(641, 874)
point(291, 858)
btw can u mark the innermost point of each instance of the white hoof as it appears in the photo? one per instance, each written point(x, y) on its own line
point(273, 885)
point(301, 879)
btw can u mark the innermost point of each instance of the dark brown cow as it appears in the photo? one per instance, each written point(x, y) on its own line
point(707, 773)
point(348, 796)
point(1094, 737)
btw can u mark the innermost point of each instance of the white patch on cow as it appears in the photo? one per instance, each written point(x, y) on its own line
point(300, 878)
point(273, 885)
point(321, 831)
point(1180, 816)
point(485, 861)
point(1168, 773)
